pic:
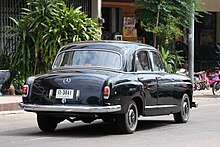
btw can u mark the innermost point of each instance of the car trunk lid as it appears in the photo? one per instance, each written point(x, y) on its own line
point(68, 88)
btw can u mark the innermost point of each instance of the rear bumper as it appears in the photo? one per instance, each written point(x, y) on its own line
point(194, 104)
point(70, 108)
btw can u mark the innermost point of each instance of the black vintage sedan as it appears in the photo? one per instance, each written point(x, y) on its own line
point(114, 81)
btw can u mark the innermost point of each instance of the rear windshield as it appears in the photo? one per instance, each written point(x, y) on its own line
point(94, 58)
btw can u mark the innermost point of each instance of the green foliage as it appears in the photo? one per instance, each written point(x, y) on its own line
point(157, 16)
point(5, 60)
point(171, 60)
point(42, 29)
point(168, 32)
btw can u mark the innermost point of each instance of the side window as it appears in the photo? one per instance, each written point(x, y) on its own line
point(157, 62)
point(143, 62)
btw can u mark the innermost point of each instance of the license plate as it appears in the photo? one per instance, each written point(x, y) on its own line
point(64, 93)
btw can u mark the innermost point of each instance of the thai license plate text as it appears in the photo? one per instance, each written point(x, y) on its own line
point(64, 93)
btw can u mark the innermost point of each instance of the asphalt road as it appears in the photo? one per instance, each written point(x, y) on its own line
point(203, 130)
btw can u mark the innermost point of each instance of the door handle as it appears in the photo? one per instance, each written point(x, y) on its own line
point(140, 78)
point(158, 78)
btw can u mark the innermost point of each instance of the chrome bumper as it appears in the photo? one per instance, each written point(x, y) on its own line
point(70, 108)
point(194, 104)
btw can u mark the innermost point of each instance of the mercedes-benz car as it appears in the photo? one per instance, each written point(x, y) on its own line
point(115, 81)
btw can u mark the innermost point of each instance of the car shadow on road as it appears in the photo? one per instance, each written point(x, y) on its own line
point(103, 129)
point(152, 124)
point(93, 130)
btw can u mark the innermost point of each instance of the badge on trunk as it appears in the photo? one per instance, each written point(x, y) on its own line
point(66, 81)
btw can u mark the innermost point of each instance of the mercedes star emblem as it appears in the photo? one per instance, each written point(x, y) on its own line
point(66, 80)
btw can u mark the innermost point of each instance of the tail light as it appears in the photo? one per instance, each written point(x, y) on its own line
point(106, 92)
point(25, 90)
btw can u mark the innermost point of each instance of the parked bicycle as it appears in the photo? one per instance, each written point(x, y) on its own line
point(216, 87)
point(215, 84)
point(201, 81)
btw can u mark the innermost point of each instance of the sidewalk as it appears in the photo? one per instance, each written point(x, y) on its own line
point(205, 97)
point(10, 103)
point(202, 97)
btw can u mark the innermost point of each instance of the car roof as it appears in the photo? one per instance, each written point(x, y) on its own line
point(120, 46)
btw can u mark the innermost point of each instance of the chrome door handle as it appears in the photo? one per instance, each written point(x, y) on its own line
point(140, 78)
point(158, 78)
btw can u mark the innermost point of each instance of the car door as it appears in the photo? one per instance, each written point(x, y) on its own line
point(165, 83)
point(148, 79)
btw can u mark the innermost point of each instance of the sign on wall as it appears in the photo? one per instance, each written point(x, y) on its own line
point(129, 32)
point(129, 22)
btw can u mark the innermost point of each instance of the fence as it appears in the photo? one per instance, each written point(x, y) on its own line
point(8, 8)
point(12, 8)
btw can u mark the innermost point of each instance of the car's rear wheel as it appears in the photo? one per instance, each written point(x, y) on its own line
point(46, 123)
point(183, 115)
point(127, 123)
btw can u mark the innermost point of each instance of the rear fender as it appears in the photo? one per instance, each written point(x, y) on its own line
point(123, 93)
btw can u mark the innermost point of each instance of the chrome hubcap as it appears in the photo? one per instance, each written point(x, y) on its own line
point(185, 110)
point(132, 118)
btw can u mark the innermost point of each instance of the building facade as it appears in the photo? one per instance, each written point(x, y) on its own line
point(214, 7)
point(118, 16)
point(207, 38)
point(207, 31)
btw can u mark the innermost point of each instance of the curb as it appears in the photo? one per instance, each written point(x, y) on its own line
point(10, 107)
point(12, 112)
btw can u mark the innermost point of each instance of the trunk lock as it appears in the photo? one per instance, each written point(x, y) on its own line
point(63, 101)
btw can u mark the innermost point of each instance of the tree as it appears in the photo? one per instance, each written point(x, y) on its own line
point(42, 29)
point(164, 18)
point(171, 60)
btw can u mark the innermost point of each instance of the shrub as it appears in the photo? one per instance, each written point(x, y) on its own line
point(42, 29)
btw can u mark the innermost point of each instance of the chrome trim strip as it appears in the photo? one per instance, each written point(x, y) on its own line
point(70, 108)
point(160, 106)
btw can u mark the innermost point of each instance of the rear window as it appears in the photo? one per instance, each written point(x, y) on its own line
point(94, 58)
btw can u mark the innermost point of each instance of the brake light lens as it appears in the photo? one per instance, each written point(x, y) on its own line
point(25, 90)
point(106, 92)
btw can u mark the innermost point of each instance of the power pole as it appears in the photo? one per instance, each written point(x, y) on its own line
point(191, 47)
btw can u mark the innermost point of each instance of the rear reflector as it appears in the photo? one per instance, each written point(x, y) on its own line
point(25, 89)
point(106, 92)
